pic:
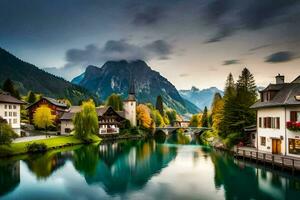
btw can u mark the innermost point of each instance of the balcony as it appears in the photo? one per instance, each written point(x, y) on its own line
point(109, 131)
point(293, 126)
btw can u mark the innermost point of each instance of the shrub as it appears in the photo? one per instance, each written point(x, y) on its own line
point(6, 134)
point(232, 139)
point(134, 131)
point(36, 147)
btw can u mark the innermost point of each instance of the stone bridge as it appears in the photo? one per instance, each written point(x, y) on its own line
point(187, 130)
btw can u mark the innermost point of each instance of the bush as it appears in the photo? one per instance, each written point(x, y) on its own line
point(232, 139)
point(36, 147)
point(6, 134)
point(134, 131)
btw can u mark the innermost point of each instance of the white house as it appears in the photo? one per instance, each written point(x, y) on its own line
point(10, 111)
point(278, 118)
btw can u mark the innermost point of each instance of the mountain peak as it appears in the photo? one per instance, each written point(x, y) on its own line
point(115, 76)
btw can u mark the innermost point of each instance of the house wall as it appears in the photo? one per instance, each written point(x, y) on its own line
point(130, 111)
point(270, 133)
point(66, 125)
point(291, 134)
point(11, 113)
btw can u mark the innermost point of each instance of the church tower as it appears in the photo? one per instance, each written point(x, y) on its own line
point(129, 105)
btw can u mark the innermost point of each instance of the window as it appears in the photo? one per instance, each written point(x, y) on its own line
point(272, 122)
point(14, 114)
point(294, 146)
point(9, 121)
point(9, 107)
point(263, 141)
point(5, 106)
point(295, 116)
point(5, 114)
point(15, 107)
point(10, 114)
point(15, 121)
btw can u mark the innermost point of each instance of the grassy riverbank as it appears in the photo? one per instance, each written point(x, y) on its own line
point(51, 143)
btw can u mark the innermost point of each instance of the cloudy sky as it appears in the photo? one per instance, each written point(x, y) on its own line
point(190, 42)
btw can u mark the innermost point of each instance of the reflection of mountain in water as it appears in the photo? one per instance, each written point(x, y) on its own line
point(122, 166)
point(9, 177)
point(244, 182)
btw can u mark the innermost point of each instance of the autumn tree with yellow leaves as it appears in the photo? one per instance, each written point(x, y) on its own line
point(144, 116)
point(43, 118)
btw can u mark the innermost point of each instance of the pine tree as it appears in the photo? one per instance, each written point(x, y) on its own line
point(8, 86)
point(204, 120)
point(246, 96)
point(31, 98)
point(159, 105)
point(229, 106)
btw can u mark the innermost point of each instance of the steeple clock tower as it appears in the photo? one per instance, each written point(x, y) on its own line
point(129, 105)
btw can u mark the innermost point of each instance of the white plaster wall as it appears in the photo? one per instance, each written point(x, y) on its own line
point(270, 132)
point(291, 134)
point(17, 125)
point(64, 125)
point(130, 111)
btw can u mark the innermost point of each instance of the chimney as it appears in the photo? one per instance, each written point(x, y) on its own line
point(279, 79)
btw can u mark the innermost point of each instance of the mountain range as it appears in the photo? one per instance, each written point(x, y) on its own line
point(27, 77)
point(115, 77)
point(200, 98)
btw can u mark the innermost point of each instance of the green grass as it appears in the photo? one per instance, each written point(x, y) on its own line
point(19, 148)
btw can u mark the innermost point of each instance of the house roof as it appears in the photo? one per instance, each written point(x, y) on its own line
point(7, 98)
point(52, 101)
point(285, 96)
point(100, 112)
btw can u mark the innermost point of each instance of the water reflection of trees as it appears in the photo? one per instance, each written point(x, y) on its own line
point(241, 181)
point(9, 176)
point(43, 165)
point(125, 166)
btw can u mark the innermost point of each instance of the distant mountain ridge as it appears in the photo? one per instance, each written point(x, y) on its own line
point(200, 98)
point(115, 76)
point(29, 77)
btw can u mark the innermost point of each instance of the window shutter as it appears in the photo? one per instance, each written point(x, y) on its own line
point(260, 122)
point(293, 116)
point(277, 122)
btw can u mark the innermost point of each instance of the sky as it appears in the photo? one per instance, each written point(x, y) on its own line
point(190, 42)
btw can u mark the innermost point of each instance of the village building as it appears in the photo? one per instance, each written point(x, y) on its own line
point(10, 108)
point(110, 121)
point(278, 118)
point(57, 108)
point(181, 123)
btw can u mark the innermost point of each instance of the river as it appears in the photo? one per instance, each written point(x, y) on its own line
point(173, 168)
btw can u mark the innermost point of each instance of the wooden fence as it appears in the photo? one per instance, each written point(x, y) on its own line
point(284, 162)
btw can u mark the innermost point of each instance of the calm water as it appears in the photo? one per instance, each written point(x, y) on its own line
point(141, 170)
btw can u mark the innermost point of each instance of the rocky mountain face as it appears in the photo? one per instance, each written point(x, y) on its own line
point(115, 77)
point(29, 77)
point(200, 98)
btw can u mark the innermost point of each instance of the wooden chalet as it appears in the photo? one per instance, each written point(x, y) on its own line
point(57, 107)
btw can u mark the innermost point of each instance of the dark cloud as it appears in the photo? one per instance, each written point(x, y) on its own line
point(260, 47)
point(148, 16)
point(281, 56)
point(122, 49)
point(160, 48)
point(232, 15)
point(231, 62)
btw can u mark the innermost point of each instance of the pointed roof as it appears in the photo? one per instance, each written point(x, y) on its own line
point(131, 87)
